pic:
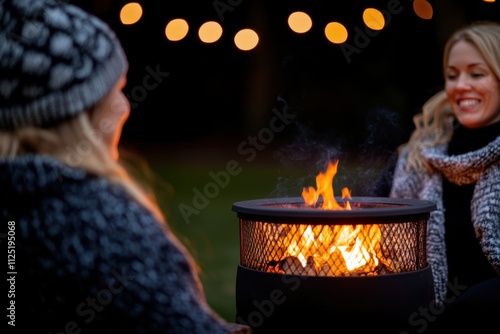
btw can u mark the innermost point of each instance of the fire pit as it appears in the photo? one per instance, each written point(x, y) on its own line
point(362, 267)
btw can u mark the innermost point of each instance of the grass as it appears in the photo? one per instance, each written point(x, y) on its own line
point(212, 233)
point(210, 229)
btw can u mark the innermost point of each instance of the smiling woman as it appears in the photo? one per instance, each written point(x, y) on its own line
point(453, 159)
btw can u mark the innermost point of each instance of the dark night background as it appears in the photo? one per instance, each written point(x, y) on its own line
point(217, 91)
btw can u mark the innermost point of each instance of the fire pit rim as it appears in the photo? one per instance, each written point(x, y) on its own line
point(393, 207)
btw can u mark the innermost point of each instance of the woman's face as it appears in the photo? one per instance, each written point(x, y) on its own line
point(110, 115)
point(473, 89)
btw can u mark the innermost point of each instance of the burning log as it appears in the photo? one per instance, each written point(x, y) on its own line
point(291, 265)
point(339, 250)
point(327, 270)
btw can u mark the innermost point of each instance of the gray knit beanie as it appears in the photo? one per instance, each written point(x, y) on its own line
point(56, 61)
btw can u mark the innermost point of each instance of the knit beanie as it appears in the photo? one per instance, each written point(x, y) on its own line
point(56, 60)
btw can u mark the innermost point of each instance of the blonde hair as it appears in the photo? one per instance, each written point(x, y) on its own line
point(76, 143)
point(434, 125)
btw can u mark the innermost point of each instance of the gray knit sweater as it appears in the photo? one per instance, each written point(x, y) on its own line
point(89, 257)
point(481, 168)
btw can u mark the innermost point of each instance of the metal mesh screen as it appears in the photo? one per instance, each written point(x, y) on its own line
point(333, 250)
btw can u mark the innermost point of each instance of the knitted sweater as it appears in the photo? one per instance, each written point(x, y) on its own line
point(90, 258)
point(480, 168)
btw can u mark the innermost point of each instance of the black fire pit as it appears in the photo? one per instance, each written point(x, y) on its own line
point(305, 268)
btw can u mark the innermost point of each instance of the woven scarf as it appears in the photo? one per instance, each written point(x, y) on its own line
point(482, 168)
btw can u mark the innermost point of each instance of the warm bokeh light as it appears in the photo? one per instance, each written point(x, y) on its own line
point(131, 13)
point(210, 32)
point(423, 9)
point(176, 29)
point(246, 39)
point(299, 22)
point(373, 19)
point(489, 0)
point(335, 32)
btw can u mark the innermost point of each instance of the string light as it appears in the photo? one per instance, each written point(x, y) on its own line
point(423, 9)
point(246, 39)
point(373, 19)
point(336, 33)
point(210, 32)
point(131, 13)
point(176, 29)
point(298, 21)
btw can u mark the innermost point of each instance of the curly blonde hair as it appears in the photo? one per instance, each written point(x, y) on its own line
point(434, 125)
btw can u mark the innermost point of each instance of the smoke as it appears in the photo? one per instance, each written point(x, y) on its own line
point(308, 151)
point(384, 132)
point(362, 154)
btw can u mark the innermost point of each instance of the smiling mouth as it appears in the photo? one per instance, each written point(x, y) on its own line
point(469, 103)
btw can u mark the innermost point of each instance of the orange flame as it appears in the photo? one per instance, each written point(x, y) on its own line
point(332, 250)
point(337, 250)
point(324, 184)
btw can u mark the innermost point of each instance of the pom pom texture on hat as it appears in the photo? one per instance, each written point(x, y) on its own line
point(56, 61)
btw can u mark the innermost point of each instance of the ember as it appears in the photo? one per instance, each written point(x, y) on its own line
point(338, 250)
